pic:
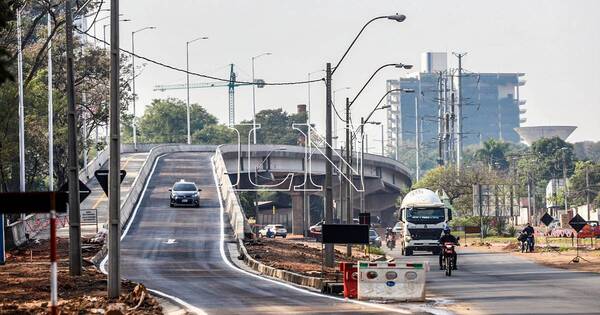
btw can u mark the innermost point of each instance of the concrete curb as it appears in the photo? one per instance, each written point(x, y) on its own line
point(288, 276)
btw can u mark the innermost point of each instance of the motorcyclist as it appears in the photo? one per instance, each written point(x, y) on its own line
point(447, 237)
point(528, 230)
point(390, 236)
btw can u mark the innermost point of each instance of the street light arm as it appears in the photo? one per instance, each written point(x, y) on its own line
point(196, 39)
point(381, 100)
point(143, 28)
point(398, 65)
point(397, 17)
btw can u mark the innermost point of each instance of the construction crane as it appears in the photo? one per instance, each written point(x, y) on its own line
point(203, 85)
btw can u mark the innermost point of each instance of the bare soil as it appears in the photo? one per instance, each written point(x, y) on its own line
point(298, 255)
point(550, 257)
point(25, 284)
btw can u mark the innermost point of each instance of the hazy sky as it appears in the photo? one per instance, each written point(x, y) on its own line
point(556, 43)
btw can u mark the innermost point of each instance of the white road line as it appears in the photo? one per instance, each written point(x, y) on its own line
point(289, 286)
point(177, 300)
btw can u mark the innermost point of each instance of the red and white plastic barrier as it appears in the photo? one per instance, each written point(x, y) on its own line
point(392, 281)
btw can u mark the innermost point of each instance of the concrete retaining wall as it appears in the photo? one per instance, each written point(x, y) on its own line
point(88, 171)
point(231, 204)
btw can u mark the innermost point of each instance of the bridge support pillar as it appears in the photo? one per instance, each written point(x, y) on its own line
point(297, 212)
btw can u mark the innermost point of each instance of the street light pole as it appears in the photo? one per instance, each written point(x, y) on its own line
point(329, 258)
point(328, 151)
point(382, 143)
point(187, 85)
point(254, 93)
point(21, 109)
point(133, 83)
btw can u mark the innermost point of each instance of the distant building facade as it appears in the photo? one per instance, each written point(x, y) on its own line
point(491, 107)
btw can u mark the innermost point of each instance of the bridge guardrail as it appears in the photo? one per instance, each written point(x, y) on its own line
point(231, 204)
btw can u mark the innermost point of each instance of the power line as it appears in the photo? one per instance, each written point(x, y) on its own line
point(200, 74)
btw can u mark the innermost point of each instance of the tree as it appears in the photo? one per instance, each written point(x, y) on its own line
point(578, 184)
point(276, 127)
point(215, 134)
point(7, 15)
point(91, 73)
point(549, 153)
point(493, 154)
point(458, 185)
point(165, 121)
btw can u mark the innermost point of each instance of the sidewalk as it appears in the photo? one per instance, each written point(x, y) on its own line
point(131, 163)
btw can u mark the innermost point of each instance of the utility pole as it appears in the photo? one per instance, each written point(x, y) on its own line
point(417, 140)
point(114, 181)
point(50, 112)
point(328, 168)
point(348, 182)
point(440, 122)
point(362, 162)
point(587, 193)
point(459, 118)
point(73, 178)
point(566, 192)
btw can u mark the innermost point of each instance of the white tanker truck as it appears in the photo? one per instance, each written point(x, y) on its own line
point(423, 217)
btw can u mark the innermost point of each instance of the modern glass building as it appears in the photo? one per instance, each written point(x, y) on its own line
point(491, 107)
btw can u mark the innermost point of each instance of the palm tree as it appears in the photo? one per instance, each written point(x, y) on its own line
point(493, 153)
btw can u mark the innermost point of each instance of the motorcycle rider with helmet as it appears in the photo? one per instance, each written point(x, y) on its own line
point(447, 237)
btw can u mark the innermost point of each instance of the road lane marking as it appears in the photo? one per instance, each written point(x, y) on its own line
point(177, 300)
point(304, 291)
point(170, 241)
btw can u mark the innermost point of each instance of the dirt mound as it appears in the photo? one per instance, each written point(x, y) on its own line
point(294, 255)
point(25, 284)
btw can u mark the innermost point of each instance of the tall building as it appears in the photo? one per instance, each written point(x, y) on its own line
point(491, 107)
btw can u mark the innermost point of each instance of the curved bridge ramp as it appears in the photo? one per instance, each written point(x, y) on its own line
point(179, 252)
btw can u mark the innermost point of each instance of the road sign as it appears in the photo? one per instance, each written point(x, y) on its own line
point(345, 234)
point(102, 177)
point(33, 202)
point(577, 223)
point(84, 191)
point(364, 218)
point(547, 219)
point(89, 216)
point(473, 229)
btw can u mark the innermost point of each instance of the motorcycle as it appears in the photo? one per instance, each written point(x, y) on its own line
point(448, 254)
point(390, 242)
point(526, 242)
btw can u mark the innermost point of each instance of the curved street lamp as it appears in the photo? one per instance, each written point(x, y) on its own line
point(133, 81)
point(187, 84)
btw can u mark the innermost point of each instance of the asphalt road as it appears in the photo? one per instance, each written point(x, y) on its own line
point(177, 251)
point(500, 283)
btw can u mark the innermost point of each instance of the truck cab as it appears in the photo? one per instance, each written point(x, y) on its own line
point(423, 217)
